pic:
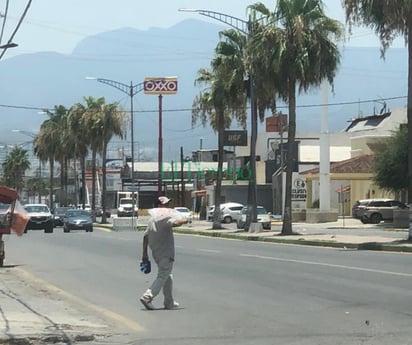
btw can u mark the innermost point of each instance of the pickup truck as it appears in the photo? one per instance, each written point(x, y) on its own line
point(125, 208)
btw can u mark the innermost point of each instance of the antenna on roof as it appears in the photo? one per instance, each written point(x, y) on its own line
point(384, 108)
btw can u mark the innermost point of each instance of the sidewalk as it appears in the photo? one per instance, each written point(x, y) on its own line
point(320, 234)
point(33, 313)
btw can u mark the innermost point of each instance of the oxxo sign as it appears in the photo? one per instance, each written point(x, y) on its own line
point(160, 86)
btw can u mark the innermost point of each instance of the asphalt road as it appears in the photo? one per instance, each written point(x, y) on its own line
point(231, 292)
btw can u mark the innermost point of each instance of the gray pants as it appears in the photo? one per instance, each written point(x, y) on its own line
point(164, 280)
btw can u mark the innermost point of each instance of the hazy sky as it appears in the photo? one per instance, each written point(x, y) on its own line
point(58, 25)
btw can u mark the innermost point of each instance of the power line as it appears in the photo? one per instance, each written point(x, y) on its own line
point(190, 109)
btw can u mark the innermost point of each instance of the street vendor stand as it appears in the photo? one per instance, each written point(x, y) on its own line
point(8, 199)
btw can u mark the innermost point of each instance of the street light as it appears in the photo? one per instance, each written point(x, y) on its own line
point(244, 26)
point(31, 135)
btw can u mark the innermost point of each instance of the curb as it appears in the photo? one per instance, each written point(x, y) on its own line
point(374, 246)
point(316, 243)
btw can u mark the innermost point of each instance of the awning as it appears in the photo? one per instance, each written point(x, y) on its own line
point(343, 189)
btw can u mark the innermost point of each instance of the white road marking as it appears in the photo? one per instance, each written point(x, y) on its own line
point(208, 250)
point(353, 268)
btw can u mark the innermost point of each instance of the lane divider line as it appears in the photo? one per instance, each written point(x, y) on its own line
point(314, 263)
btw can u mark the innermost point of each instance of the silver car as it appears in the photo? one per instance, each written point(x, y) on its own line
point(263, 217)
point(229, 212)
point(376, 210)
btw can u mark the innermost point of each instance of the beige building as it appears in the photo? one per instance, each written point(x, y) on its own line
point(350, 156)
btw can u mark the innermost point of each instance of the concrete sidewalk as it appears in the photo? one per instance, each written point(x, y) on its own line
point(34, 313)
point(320, 234)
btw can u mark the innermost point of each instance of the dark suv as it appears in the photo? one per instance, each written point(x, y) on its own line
point(376, 210)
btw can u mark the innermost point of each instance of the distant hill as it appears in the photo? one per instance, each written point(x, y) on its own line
point(46, 79)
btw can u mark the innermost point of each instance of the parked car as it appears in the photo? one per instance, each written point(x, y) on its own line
point(376, 210)
point(77, 219)
point(185, 212)
point(58, 215)
point(40, 218)
point(358, 207)
point(263, 217)
point(229, 212)
point(99, 212)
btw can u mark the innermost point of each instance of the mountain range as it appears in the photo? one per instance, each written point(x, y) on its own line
point(33, 82)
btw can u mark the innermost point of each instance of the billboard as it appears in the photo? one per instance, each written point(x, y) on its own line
point(160, 86)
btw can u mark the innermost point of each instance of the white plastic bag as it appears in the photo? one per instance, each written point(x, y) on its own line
point(163, 213)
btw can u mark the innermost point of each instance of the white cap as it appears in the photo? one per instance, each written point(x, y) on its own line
point(164, 200)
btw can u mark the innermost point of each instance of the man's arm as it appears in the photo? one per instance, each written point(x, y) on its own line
point(145, 256)
point(179, 222)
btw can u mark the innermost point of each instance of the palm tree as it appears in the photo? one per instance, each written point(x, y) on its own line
point(297, 49)
point(112, 124)
point(80, 138)
point(389, 19)
point(213, 105)
point(47, 143)
point(14, 168)
point(104, 121)
point(91, 122)
point(63, 149)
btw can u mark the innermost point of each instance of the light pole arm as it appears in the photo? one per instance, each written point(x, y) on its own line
point(236, 23)
point(131, 89)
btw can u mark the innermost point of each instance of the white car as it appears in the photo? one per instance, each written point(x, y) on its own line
point(185, 212)
point(40, 218)
point(229, 212)
point(263, 217)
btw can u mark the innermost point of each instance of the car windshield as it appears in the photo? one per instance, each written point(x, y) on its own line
point(61, 210)
point(76, 213)
point(261, 210)
point(36, 208)
point(182, 209)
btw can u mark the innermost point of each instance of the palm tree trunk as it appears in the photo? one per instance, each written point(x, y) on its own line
point(83, 190)
point(287, 214)
point(51, 184)
point(252, 198)
point(409, 115)
point(218, 190)
point(62, 170)
point(93, 203)
point(104, 154)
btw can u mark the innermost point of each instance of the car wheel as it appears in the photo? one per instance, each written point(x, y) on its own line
point(376, 218)
point(1, 262)
point(364, 221)
point(48, 230)
point(91, 229)
point(227, 220)
point(66, 229)
point(239, 225)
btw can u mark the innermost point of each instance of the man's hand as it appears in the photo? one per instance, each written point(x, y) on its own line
point(180, 221)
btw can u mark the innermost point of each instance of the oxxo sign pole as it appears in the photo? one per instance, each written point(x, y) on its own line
point(160, 86)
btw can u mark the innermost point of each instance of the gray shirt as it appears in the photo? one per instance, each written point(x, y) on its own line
point(161, 240)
